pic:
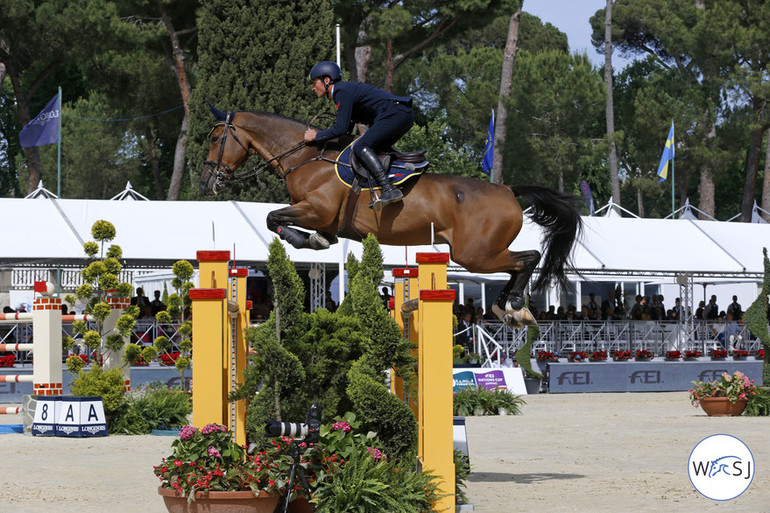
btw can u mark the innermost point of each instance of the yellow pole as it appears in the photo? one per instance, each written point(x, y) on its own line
point(209, 365)
point(435, 374)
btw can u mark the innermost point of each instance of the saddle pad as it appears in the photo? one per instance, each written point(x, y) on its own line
point(398, 172)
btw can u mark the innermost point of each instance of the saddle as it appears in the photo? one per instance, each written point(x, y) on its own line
point(400, 166)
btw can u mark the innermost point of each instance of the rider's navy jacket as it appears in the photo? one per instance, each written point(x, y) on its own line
point(358, 103)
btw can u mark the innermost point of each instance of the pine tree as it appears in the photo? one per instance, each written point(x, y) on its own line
point(256, 55)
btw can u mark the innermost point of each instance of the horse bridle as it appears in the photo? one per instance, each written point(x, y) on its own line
point(224, 175)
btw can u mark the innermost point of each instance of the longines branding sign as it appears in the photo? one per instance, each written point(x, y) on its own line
point(641, 376)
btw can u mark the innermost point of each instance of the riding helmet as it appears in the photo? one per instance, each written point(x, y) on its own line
point(326, 69)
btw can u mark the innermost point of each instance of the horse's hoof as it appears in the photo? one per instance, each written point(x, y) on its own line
point(318, 241)
point(524, 317)
point(508, 319)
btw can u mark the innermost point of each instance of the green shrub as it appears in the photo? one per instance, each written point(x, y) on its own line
point(462, 469)
point(154, 406)
point(759, 404)
point(100, 383)
point(469, 400)
point(365, 485)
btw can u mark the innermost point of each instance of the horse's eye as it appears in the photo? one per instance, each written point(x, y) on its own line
point(214, 138)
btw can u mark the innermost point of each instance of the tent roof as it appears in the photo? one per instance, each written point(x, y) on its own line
point(158, 233)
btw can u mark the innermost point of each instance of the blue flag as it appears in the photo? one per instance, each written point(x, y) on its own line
point(668, 155)
point(44, 129)
point(586, 190)
point(489, 146)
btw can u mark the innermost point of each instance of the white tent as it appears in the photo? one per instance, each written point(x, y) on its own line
point(52, 231)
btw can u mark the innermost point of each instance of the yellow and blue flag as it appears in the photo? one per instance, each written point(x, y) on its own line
point(668, 155)
point(489, 146)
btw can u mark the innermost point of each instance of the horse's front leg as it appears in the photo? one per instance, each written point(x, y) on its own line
point(282, 221)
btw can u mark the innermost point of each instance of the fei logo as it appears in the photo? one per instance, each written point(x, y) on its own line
point(721, 467)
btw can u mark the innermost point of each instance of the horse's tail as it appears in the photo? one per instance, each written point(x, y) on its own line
point(557, 213)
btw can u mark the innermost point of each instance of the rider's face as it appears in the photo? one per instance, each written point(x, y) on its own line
point(318, 87)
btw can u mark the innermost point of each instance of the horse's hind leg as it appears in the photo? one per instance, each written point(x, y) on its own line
point(509, 306)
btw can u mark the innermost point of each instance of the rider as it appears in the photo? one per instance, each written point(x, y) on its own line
point(388, 116)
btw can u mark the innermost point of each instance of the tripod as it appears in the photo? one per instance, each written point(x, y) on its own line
point(296, 470)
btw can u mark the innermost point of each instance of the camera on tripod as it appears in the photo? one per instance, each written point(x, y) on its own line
point(308, 431)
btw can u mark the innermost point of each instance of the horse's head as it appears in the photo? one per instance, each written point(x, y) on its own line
point(226, 153)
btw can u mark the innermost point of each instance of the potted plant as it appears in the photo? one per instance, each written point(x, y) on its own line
point(718, 354)
point(673, 355)
point(546, 356)
point(759, 354)
point(726, 396)
point(578, 356)
point(621, 356)
point(692, 354)
point(598, 356)
point(740, 354)
point(457, 355)
point(643, 355)
point(207, 467)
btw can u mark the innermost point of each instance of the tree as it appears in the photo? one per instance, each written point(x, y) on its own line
point(37, 38)
point(245, 65)
point(610, 109)
point(506, 78)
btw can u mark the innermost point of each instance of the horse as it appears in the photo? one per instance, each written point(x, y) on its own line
point(476, 218)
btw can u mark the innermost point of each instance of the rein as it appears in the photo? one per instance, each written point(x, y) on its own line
point(224, 175)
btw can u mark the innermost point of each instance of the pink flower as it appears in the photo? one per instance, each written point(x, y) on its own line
point(344, 426)
point(187, 432)
point(376, 453)
point(212, 428)
point(213, 452)
point(177, 463)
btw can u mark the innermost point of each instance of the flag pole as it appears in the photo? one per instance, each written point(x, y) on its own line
point(673, 176)
point(58, 157)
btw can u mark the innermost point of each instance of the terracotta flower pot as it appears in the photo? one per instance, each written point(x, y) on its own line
point(219, 502)
point(722, 406)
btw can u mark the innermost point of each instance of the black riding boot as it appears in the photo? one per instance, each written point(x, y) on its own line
point(389, 194)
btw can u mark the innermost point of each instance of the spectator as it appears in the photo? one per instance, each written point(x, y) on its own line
point(712, 309)
point(156, 304)
point(608, 305)
point(677, 308)
point(385, 296)
point(332, 306)
point(733, 339)
point(464, 333)
point(140, 299)
point(735, 309)
point(592, 302)
point(144, 325)
point(700, 310)
point(636, 310)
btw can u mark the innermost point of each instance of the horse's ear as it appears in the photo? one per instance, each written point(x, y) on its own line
point(218, 114)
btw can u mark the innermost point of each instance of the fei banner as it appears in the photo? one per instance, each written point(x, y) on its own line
point(506, 378)
point(44, 129)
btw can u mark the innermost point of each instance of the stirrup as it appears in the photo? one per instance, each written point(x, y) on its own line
point(394, 195)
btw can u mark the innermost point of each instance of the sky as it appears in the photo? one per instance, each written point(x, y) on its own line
point(572, 17)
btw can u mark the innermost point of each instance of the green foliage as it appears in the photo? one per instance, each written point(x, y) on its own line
point(381, 411)
point(266, 68)
point(91, 248)
point(462, 470)
point(755, 316)
point(132, 354)
point(105, 383)
point(103, 231)
point(150, 407)
point(759, 404)
point(74, 364)
point(366, 485)
point(470, 400)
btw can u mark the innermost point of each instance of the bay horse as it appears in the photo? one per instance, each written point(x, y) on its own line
point(478, 219)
